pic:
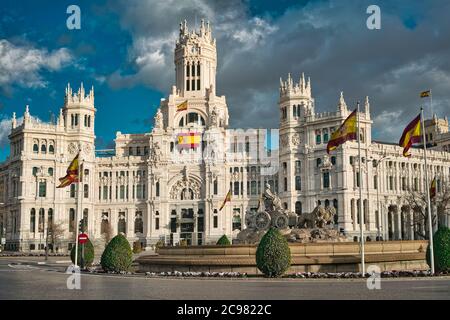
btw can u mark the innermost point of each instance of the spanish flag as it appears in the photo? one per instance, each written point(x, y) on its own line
point(411, 135)
point(227, 199)
point(188, 140)
point(425, 94)
point(72, 174)
point(182, 107)
point(433, 189)
point(347, 131)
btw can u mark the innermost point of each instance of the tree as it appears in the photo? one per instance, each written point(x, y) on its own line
point(117, 256)
point(55, 233)
point(223, 241)
point(417, 202)
point(273, 256)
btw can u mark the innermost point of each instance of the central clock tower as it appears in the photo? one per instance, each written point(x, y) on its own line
point(195, 61)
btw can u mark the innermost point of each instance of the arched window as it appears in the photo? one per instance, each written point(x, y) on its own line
point(318, 137)
point(318, 162)
point(86, 191)
point(50, 172)
point(294, 111)
point(51, 149)
point(157, 189)
point(85, 220)
point(71, 220)
point(298, 208)
point(325, 135)
point(41, 220)
point(43, 148)
point(122, 225)
point(72, 190)
point(50, 217)
point(33, 220)
point(335, 205)
point(35, 148)
point(138, 223)
point(35, 171)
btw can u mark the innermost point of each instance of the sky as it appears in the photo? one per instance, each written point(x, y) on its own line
point(125, 50)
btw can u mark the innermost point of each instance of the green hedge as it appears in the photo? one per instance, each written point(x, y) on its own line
point(441, 248)
point(88, 254)
point(273, 256)
point(223, 241)
point(117, 255)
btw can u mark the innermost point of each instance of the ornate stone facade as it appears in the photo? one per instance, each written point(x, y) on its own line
point(151, 189)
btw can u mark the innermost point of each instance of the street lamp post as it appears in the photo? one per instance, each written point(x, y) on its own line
point(377, 162)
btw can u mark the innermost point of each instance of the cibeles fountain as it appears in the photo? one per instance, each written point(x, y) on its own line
point(315, 245)
point(316, 226)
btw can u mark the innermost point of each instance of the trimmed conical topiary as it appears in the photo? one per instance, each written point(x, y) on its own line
point(441, 248)
point(88, 254)
point(223, 241)
point(117, 255)
point(273, 256)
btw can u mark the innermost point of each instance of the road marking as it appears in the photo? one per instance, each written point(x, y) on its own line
point(63, 261)
point(42, 262)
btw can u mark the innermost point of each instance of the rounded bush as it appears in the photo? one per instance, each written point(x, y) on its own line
point(117, 255)
point(223, 241)
point(273, 256)
point(88, 254)
point(441, 248)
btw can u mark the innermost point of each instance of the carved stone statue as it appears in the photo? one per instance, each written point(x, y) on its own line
point(271, 201)
point(213, 118)
point(158, 119)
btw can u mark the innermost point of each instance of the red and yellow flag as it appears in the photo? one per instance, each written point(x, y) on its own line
point(411, 135)
point(425, 94)
point(347, 131)
point(182, 106)
point(227, 199)
point(188, 140)
point(72, 174)
point(433, 189)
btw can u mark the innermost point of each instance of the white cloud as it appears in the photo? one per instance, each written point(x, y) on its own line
point(5, 130)
point(22, 65)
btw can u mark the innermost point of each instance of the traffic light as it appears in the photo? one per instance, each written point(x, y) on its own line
point(81, 225)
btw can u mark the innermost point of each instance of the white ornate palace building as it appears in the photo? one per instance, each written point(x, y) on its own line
point(150, 188)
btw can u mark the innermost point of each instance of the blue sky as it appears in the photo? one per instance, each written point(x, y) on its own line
point(125, 50)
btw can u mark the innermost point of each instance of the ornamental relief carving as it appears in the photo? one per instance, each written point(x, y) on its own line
point(185, 190)
point(284, 140)
point(296, 139)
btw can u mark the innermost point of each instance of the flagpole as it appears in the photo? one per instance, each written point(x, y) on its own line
point(431, 105)
point(430, 224)
point(361, 215)
point(77, 213)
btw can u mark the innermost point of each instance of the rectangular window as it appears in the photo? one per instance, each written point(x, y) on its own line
point(285, 184)
point(326, 180)
point(122, 192)
point(215, 222)
point(357, 180)
point(298, 183)
point(391, 183)
point(198, 84)
point(42, 189)
point(216, 191)
point(236, 188)
point(157, 224)
point(375, 182)
point(105, 192)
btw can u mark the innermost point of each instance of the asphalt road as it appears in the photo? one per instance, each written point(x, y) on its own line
point(24, 278)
